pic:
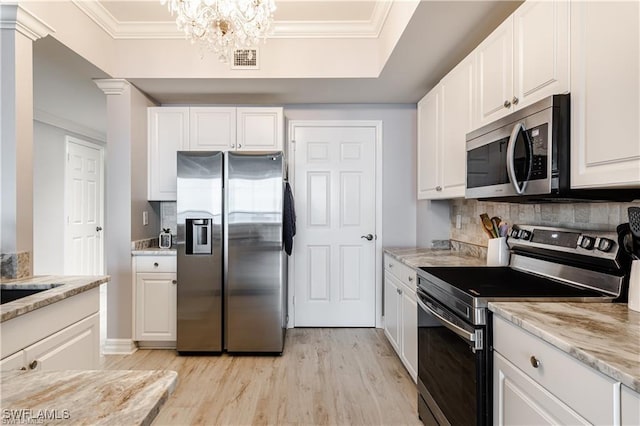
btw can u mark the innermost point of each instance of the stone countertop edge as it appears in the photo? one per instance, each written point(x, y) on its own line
point(415, 257)
point(71, 285)
point(605, 336)
point(155, 251)
point(90, 396)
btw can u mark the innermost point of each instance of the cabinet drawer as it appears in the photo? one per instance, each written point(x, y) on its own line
point(560, 374)
point(155, 264)
point(403, 273)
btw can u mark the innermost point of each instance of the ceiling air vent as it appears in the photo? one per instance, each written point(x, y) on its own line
point(245, 59)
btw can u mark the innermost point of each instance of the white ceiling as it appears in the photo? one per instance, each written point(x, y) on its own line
point(439, 35)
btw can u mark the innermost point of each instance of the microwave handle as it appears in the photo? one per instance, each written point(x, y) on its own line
point(511, 168)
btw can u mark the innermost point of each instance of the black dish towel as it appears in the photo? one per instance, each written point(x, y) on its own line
point(288, 219)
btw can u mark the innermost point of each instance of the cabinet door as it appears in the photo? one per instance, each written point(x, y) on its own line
point(629, 407)
point(519, 400)
point(76, 347)
point(605, 94)
point(409, 340)
point(541, 51)
point(260, 129)
point(428, 152)
point(212, 128)
point(494, 64)
point(391, 311)
point(156, 307)
point(168, 133)
point(457, 101)
point(14, 362)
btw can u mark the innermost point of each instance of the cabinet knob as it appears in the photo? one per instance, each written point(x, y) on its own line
point(515, 100)
point(239, 145)
point(507, 104)
point(410, 279)
point(155, 264)
point(174, 282)
point(399, 291)
point(33, 364)
point(391, 265)
point(535, 362)
point(438, 188)
point(23, 368)
point(233, 145)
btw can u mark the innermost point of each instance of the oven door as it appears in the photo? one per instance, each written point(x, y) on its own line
point(452, 367)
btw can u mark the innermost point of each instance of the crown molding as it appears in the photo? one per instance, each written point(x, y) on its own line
point(112, 86)
point(15, 17)
point(370, 28)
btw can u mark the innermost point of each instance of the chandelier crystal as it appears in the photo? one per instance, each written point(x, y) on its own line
point(223, 25)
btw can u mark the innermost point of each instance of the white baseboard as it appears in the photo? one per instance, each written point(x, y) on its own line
point(157, 345)
point(119, 347)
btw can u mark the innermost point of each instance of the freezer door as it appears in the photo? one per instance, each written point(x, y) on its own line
point(199, 249)
point(256, 264)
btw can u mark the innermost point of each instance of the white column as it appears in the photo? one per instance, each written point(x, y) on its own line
point(18, 30)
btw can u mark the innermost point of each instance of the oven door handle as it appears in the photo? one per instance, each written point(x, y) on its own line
point(511, 168)
point(466, 335)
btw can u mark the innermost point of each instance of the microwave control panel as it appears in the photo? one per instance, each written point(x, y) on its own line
point(538, 137)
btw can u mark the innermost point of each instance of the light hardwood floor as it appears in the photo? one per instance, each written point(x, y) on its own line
point(324, 377)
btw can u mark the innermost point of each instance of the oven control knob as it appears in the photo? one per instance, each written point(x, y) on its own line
point(525, 235)
point(605, 244)
point(515, 233)
point(587, 242)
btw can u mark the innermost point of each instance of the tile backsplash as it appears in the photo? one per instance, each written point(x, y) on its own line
point(595, 216)
point(168, 216)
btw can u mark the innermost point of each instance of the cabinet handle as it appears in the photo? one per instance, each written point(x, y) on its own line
point(391, 265)
point(507, 104)
point(239, 145)
point(155, 264)
point(174, 282)
point(535, 362)
point(23, 368)
point(438, 188)
point(410, 279)
point(33, 364)
point(515, 100)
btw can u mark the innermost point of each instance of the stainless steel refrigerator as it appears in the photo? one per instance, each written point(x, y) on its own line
point(231, 264)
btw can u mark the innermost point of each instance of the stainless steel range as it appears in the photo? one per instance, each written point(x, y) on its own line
point(454, 324)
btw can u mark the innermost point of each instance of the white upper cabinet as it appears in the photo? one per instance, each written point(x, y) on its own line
point(212, 128)
point(444, 118)
point(168, 133)
point(260, 129)
point(524, 60)
point(173, 129)
point(605, 94)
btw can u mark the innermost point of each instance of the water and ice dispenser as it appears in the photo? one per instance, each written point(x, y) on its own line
point(198, 236)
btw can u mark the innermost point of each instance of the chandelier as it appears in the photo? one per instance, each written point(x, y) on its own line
point(223, 25)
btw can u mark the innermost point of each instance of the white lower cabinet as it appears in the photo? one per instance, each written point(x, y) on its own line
point(62, 336)
point(536, 383)
point(155, 296)
point(401, 313)
point(629, 407)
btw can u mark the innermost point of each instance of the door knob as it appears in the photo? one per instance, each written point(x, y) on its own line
point(98, 228)
point(368, 237)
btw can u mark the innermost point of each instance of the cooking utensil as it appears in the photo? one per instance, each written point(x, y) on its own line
point(634, 226)
point(625, 239)
point(503, 229)
point(496, 225)
point(487, 225)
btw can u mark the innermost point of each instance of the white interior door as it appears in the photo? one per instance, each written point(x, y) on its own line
point(335, 183)
point(84, 209)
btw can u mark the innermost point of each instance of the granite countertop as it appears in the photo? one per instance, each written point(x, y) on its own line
point(416, 257)
point(605, 336)
point(91, 397)
point(154, 251)
point(65, 286)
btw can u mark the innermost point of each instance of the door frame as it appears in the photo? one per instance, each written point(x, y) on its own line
point(377, 124)
point(73, 140)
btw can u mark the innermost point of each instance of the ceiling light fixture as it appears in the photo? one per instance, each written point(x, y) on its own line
point(223, 25)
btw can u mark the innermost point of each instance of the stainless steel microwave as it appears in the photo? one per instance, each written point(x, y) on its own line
point(523, 154)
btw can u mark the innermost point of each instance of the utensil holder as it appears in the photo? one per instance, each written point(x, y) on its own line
point(634, 286)
point(497, 252)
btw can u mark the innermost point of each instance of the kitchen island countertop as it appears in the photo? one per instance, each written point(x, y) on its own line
point(91, 397)
point(66, 286)
point(416, 257)
point(605, 336)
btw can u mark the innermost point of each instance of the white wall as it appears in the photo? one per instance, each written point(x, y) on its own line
point(433, 222)
point(48, 196)
point(398, 161)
